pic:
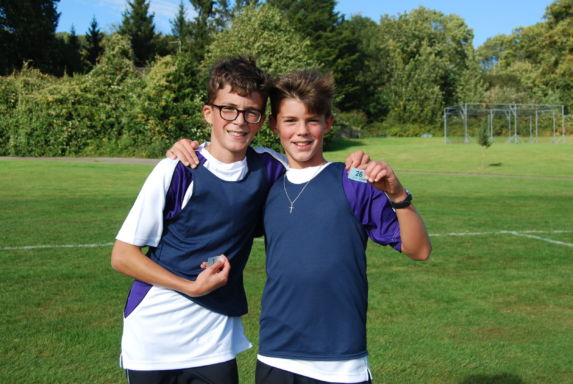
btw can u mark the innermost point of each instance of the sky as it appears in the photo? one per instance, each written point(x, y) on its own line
point(487, 18)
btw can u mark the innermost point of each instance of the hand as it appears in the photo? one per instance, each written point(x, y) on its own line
point(212, 277)
point(356, 160)
point(383, 178)
point(378, 173)
point(184, 150)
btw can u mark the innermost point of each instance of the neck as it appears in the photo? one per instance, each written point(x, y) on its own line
point(225, 156)
point(297, 165)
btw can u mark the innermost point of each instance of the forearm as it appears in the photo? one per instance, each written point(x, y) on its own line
point(129, 260)
point(415, 240)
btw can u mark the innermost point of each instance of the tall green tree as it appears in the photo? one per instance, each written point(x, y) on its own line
point(557, 48)
point(180, 26)
point(72, 53)
point(94, 43)
point(138, 25)
point(205, 24)
point(422, 58)
point(27, 33)
point(533, 64)
point(335, 47)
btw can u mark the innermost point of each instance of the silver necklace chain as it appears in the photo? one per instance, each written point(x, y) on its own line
point(301, 191)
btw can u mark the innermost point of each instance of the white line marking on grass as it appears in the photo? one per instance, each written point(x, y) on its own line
point(541, 238)
point(528, 234)
point(26, 247)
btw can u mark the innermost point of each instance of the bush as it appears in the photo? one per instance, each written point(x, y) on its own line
point(71, 115)
point(172, 103)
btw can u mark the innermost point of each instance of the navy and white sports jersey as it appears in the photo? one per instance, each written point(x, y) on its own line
point(315, 298)
point(174, 215)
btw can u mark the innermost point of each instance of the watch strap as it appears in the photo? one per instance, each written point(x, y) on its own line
point(404, 203)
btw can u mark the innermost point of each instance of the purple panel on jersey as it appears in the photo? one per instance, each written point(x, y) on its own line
point(177, 189)
point(372, 209)
point(274, 168)
point(138, 291)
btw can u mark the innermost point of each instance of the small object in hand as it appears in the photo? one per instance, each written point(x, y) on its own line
point(357, 175)
point(212, 260)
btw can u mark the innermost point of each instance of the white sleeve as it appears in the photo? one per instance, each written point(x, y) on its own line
point(144, 223)
point(279, 156)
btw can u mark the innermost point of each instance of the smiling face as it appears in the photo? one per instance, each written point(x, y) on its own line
point(230, 139)
point(301, 133)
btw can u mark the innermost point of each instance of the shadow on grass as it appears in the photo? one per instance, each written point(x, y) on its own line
point(504, 378)
point(339, 143)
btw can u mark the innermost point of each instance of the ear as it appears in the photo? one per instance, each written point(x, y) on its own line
point(208, 114)
point(329, 122)
point(273, 124)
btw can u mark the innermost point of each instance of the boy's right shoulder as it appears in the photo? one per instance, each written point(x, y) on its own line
point(271, 153)
point(166, 164)
point(166, 167)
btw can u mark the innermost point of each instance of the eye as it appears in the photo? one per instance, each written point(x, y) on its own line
point(252, 112)
point(227, 108)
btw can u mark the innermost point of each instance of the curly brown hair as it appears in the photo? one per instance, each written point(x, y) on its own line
point(242, 74)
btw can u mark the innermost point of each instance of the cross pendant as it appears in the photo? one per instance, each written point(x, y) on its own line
point(291, 208)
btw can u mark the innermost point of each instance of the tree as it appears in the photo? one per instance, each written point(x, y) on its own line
point(335, 47)
point(72, 53)
point(180, 26)
point(27, 33)
point(533, 64)
point(138, 24)
point(93, 48)
point(421, 59)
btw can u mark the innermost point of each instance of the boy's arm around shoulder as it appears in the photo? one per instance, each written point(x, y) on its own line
point(129, 260)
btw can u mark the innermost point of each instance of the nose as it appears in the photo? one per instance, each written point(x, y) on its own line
point(301, 129)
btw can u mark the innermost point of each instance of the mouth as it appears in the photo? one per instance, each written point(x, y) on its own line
point(302, 144)
point(236, 133)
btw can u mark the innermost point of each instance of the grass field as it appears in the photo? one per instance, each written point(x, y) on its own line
point(493, 305)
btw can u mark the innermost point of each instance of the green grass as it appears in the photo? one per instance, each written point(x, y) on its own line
point(490, 307)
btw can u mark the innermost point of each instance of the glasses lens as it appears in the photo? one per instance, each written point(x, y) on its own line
point(252, 116)
point(229, 113)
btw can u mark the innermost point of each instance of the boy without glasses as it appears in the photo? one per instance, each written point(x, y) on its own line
point(317, 222)
point(182, 318)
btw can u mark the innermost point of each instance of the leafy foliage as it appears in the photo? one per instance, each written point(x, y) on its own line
point(393, 76)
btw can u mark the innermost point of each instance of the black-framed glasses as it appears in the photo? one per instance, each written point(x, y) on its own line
point(251, 116)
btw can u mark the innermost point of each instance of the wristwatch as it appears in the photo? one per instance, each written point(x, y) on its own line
point(404, 203)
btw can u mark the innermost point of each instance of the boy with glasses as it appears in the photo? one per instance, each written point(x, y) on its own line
point(182, 317)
